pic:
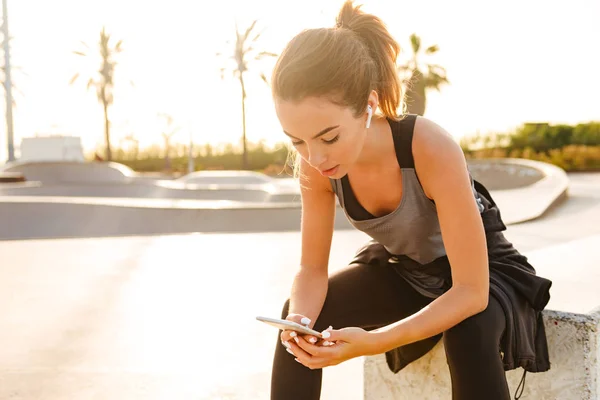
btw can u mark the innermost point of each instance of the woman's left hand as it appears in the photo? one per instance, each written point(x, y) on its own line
point(335, 348)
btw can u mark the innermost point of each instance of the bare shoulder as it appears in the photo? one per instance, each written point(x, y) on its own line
point(438, 157)
point(432, 140)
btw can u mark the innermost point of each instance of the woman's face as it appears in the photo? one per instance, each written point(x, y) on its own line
point(326, 135)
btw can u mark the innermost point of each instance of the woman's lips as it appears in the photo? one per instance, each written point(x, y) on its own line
point(330, 171)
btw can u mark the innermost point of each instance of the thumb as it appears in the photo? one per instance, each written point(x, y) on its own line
point(334, 335)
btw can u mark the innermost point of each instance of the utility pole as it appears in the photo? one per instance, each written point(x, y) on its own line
point(8, 84)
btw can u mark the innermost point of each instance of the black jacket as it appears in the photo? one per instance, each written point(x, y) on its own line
point(513, 282)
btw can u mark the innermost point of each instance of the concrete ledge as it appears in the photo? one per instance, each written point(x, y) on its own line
point(573, 342)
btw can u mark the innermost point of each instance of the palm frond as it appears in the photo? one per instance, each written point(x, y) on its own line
point(415, 43)
point(238, 35)
point(432, 49)
point(434, 81)
point(264, 78)
point(436, 70)
point(264, 54)
point(255, 38)
point(247, 33)
point(74, 78)
point(90, 83)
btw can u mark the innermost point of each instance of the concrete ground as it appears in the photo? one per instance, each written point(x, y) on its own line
point(172, 317)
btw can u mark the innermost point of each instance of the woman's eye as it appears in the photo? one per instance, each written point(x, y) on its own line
point(331, 141)
point(296, 143)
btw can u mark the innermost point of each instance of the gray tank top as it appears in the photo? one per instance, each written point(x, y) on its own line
point(413, 228)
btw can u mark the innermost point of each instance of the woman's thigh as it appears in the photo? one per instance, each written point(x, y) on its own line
point(368, 296)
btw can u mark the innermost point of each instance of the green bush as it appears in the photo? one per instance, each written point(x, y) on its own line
point(573, 148)
point(546, 137)
point(569, 158)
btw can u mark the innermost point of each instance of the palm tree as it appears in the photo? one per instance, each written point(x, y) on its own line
point(7, 82)
point(104, 81)
point(244, 51)
point(417, 81)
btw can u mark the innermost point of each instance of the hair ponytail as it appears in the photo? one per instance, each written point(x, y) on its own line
point(343, 63)
point(384, 51)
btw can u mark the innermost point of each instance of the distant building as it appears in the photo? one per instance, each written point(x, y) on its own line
point(51, 148)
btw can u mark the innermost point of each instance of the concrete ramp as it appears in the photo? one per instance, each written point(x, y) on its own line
point(49, 217)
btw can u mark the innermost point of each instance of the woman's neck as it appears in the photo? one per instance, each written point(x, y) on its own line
point(377, 143)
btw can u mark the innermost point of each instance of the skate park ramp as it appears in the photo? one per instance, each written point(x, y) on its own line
point(103, 199)
point(113, 180)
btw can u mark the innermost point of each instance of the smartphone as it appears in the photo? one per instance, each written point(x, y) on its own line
point(290, 326)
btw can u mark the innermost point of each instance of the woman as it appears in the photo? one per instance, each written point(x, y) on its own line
point(438, 265)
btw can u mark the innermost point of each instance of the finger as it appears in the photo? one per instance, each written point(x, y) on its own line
point(325, 357)
point(298, 318)
point(310, 339)
point(287, 335)
point(285, 344)
point(316, 362)
point(323, 342)
point(298, 352)
point(312, 349)
point(333, 336)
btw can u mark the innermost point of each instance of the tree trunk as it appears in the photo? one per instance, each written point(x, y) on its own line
point(415, 95)
point(244, 149)
point(167, 152)
point(107, 130)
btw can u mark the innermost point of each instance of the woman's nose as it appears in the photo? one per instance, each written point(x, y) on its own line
point(316, 158)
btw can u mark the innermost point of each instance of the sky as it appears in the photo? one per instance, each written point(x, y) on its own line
point(508, 63)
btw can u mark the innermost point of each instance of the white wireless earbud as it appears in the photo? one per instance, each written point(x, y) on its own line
point(370, 112)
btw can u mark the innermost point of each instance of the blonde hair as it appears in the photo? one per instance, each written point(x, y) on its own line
point(343, 63)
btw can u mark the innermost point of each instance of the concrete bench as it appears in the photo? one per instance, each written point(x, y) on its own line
point(572, 322)
point(573, 342)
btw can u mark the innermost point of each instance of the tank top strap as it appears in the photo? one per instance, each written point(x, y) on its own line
point(338, 189)
point(402, 132)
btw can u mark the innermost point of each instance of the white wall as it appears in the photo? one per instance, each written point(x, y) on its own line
point(52, 148)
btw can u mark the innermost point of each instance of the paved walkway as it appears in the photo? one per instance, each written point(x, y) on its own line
point(150, 317)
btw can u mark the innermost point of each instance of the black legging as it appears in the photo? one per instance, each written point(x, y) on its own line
point(371, 296)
